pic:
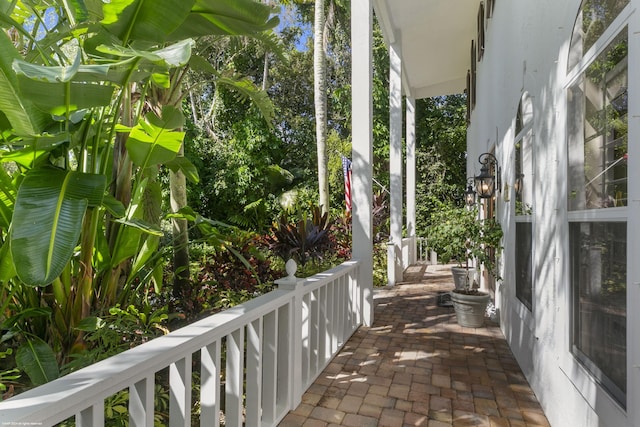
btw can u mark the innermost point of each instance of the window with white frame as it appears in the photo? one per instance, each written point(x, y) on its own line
point(597, 144)
point(523, 188)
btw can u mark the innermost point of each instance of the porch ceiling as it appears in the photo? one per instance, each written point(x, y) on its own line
point(436, 42)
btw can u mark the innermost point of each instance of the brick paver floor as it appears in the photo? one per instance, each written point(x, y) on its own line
point(416, 367)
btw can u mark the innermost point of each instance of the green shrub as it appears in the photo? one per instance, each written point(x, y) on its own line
point(456, 233)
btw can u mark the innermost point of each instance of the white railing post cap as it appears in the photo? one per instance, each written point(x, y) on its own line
point(290, 281)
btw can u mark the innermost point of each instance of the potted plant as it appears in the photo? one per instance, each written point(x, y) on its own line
point(449, 236)
point(470, 303)
point(457, 233)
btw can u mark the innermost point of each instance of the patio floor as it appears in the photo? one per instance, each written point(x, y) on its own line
point(417, 367)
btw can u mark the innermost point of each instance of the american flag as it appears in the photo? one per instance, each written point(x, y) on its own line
point(346, 169)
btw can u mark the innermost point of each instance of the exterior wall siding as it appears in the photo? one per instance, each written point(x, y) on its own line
point(526, 50)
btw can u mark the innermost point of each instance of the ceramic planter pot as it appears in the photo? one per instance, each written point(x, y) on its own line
point(470, 309)
point(461, 276)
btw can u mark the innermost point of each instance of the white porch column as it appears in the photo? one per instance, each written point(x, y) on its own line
point(362, 149)
point(395, 156)
point(411, 177)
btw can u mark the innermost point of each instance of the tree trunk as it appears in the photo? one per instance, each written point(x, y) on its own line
point(265, 70)
point(320, 99)
point(178, 198)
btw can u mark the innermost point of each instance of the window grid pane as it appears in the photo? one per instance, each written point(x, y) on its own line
point(599, 283)
point(597, 128)
point(524, 269)
point(593, 19)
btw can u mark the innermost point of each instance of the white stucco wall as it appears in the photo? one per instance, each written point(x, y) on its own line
point(526, 49)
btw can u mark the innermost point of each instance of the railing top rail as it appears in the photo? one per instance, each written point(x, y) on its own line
point(320, 279)
point(111, 375)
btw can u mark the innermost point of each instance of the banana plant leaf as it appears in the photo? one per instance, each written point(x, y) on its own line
point(175, 55)
point(7, 198)
point(38, 360)
point(146, 253)
point(113, 206)
point(142, 225)
point(50, 87)
point(129, 64)
point(101, 254)
point(7, 269)
point(23, 116)
point(59, 90)
point(148, 20)
point(45, 142)
point(58, 98)
point(47, 220)
point(188, 169)
point(25, 315)
point(225, 17)
point(153, 141)
point(20, 13)
point(159, 22)
point(136, 228)
point(26, 157)
point(50, 74)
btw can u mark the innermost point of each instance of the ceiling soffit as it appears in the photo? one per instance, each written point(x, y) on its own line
point(436, 39)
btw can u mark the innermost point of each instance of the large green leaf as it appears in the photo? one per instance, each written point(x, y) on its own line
point(24, 118)
point(16, 9)
point(7, 198)
point(47, 220)
point(148, 250)
point(141, 225)
point(101, 253)
point(183, 164)
point(26, 314)
point(47, 141)
point(26, 157)
point(172, 118)
point(128, 243)
point(56, 98)
point(38, 360)
point(225, 17)
point(61, 89)
point(113, 206)
point(129, 236)
point(159, 22)
point(50, 74)
point(7, 270)
point(153, 140)
point(148, 20)
point(175, 55)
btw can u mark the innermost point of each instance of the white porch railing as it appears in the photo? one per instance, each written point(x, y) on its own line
point(424, 253)
point(269, 350)
point(412, 251)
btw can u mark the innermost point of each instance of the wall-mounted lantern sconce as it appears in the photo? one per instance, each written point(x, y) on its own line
point(517, 186)
point(486, 182)
point(469, 194)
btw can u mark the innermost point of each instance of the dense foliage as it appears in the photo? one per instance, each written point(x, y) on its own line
point(90, 113)
point(107, 117)
point(441, 156)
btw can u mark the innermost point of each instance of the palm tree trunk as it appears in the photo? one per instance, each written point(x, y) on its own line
point(265, 70)
point(320, 99)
